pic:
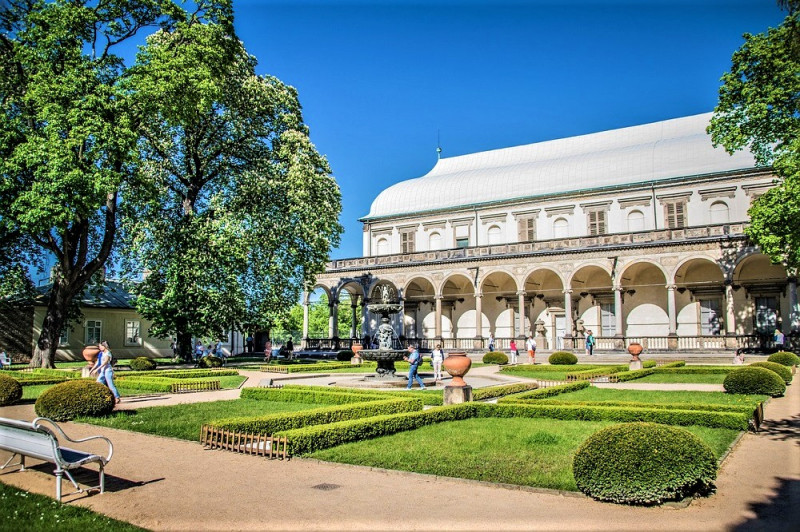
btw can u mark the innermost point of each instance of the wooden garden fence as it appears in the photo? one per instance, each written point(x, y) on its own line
point(180, 387)
point(244, 442)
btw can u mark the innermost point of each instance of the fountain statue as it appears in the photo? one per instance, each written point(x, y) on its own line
point(389, 349)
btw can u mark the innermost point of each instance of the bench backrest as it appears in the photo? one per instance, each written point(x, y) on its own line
point(29, 439)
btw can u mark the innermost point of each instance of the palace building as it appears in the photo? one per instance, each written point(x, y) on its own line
point(636, 234)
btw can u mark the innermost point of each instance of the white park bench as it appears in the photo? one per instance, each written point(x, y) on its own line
point(32, 438)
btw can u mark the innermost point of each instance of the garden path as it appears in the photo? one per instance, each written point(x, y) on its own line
point(166, 484)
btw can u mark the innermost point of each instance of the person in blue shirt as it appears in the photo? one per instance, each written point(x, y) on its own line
point(415, 359)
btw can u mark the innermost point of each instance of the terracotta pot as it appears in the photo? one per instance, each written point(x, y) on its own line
point(90, 353)
point(356, 349)
point(457, 365)
point(635, 349)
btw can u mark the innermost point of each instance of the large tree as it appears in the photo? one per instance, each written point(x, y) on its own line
point(235, 210)
point(759, 109)
point(67, 141)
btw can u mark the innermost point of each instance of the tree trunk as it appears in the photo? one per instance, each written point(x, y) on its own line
point(185, 346)
point(44, 354)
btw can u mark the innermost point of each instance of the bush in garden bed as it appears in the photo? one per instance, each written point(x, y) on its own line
point(180, 373)
point(785, 358)
point(521, 368)
point(594, 373)
point(625, 376)
point(432, 397)
point(676, 364)
point(75, 398)
point(644, 463)
point(210, 361)
point(479, 394)
point(745, 409)
point(290, 395)
point(495, 357)
point(10, 390)
point(649, 364)
point(156, 384)
point(344, 355)
point(782, 371)
point(287, 421)
point(36, 381)
point(694, 370)
point(142, 364)
point(750, 380)
point(543, 393)
point(562, 358)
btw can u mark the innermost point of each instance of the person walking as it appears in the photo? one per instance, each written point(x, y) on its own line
point(105, 373)
point(289, 349)
point(589, 343)
point(249, 342)
point(512, 347)
point(530, 344)
point(491, 342)
point(779, 339)
point(267, 351)
point(415, 359)
point(437, 358)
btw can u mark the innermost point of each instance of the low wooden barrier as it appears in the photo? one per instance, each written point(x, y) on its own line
point(182, 387)
point(243, 442)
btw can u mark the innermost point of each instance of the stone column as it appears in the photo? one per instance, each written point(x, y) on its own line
point(438, 324)
point(333, 318)
point(672, 341)
point(305, 320)
point(353, 307)
point(478, 344)
point(568, 315)
point(730, 318)
point(794, 311)
point(364, 317)
point(521, 304)
point(619, 331)
point(401, 318)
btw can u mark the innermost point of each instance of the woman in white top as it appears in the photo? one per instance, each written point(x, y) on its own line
point(437, 357)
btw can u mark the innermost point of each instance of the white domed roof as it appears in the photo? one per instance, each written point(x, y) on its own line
point(649, 152)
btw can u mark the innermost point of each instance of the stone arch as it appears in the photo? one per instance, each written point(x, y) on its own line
point(419, 299)
point(633, 264)
point(644, 298)
point(760, 294)
point(499, 290)
point(699, 297)
point(458, 306)
point(593, 293)
point(545, 313)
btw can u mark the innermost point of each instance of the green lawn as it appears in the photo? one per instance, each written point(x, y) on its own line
point(528, 452)
point(550, 373)
point(646, 396)
point(29, 511)
point(184, 421)
point(693, 378)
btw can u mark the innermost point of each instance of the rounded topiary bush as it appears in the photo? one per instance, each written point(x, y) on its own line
point(210, 362)
point(344, 355)
point(495, 357)
point(644, 463)
point(143, 364)
point(756, 380)
point(782, 371)
point(784, 358)
point(562, 358)
point(10, 390)
point(72, 399)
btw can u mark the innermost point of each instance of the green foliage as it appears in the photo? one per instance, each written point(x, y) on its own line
point(676, 364)
point(543, 393)
point(759, 109)
point(782, 371)
point(481, 394)
point(344, 355)
point(784, 357)
point(695, 370)
point(603, 371)
point(164, 384)
point(10, 390)
point(646, 364)
point(210, 362)
point(742, 408)
point(142, 364)
point(323, 396)
point(72, 399)
point(750, 380)
point(495, 357)
point(644, 463)
point(625, 376)
point(562, 358)
point(180, 373)
point(319, 416)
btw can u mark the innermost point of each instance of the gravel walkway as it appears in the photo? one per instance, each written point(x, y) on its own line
point(166, 484)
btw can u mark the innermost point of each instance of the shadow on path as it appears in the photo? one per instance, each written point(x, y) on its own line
point(780, 513)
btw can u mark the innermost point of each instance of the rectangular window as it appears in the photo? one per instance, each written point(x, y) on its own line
point(462, 242)
point(407, 241)
point(63, 338)
point(766, 314)
point(133, 332)
point(675, 214)
point(608, 320)
point(526, 229)
point(94, 331)
point(597, 222)
point(710, 311)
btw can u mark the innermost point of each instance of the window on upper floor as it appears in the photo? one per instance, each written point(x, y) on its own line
point(462, 242)
point(675, 214)
point(434, 241)
point(596, 222)
point(560, 228)
point(407, 240)
point(719, 212)
point(635, 221)
point(526, 229)
point(383, 246)
point(495, 235)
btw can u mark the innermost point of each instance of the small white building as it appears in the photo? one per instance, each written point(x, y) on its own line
point(636, 234)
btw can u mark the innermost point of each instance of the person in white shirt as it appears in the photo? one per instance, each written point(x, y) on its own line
point(437, 357)
point(531, 345)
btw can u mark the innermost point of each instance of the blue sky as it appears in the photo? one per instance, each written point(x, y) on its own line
point(379, 79)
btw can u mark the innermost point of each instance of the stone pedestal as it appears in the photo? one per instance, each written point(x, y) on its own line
point(634, 364)
point(85, 372)
point(356, 360)
point(454, 395)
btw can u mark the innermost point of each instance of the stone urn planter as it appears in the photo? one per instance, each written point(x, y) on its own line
point(457, 365)
point(90, 353)
point(635, 349)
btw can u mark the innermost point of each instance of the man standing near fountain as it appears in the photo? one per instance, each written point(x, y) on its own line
point(415, 359)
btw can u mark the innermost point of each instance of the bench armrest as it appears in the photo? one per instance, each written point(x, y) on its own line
point(63, 434)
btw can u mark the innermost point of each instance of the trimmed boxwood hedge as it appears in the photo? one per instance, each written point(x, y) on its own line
point(785, 358)
point(644, 463)
point(179, 373)
point(694, 370)
point(491, 392)
point(750, 380)
point(594, 373)
point(344, 355)
point(10, 390)
point(287, 421)
point(676, 364)
point(649, 364)
point(76, 398)
point(562, 358)
point(154, 383)
point(543, 393)
point(209, 362)
point(782, 371)
point(142, 364)
point(625, 376)
point(495, 357)
point(289, 395)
